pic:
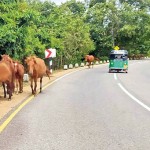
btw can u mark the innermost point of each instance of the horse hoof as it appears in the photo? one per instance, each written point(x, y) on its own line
point(35, 94)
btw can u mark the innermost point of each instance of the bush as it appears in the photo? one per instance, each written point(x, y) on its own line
point(104, 58)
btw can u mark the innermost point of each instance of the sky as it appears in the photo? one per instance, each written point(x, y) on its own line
point(57, 2)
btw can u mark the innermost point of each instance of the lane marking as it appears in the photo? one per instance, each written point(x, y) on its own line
point(9, 119)
point(115, 76)
point(134, 98)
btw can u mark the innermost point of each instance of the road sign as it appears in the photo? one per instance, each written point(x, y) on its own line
point(116, 48)
point(50, 53)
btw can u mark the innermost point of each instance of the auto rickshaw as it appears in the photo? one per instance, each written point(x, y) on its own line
point(118, 61)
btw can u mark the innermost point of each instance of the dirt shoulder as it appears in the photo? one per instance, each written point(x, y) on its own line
point(7, 106)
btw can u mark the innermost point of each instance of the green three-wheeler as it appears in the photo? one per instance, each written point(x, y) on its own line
point(118, 61)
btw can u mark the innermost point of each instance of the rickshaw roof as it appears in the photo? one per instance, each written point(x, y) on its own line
point(119, 52)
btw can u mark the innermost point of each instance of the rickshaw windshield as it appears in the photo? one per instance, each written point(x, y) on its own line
point(118, 56)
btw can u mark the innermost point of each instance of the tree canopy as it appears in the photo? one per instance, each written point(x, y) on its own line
point(73, 28)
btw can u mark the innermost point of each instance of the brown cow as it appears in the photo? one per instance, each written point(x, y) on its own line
point(36, 69)
point(90, 59)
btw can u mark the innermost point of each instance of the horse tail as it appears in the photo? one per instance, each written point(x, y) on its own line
point(48, 72)
point(97, 59)
point(13, 80)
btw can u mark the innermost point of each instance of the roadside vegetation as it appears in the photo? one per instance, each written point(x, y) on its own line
point(74, 28)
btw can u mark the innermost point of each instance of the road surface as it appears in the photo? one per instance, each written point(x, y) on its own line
point(87, 110)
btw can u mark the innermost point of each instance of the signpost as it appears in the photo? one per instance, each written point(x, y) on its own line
point(50, 53)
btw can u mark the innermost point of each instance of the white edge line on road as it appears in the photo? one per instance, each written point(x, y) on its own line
point(133, 98)
point(13, 114)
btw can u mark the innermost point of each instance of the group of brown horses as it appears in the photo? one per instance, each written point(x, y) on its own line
point(12, 73)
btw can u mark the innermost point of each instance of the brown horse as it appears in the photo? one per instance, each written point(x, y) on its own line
point(19, 73)
point(7, 76)
point(36, 69)
point(90, 59)
point(18, 70)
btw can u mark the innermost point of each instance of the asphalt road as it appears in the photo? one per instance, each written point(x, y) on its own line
point(87, 110)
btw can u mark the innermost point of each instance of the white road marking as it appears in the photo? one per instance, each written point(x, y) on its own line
point(115, 76)
point(134, 98)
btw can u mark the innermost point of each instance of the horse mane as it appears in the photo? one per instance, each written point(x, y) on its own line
point(7, 58)
point(31, 57)
point(17, 61)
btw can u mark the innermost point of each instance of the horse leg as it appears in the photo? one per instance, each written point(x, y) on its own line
point(16, 86)
point(9, 90)
point(32, 86)
point(89, 64)
point(3, 84)
point(35, 85)
point(41, 84)
point(92, 64)
point(20, 85)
